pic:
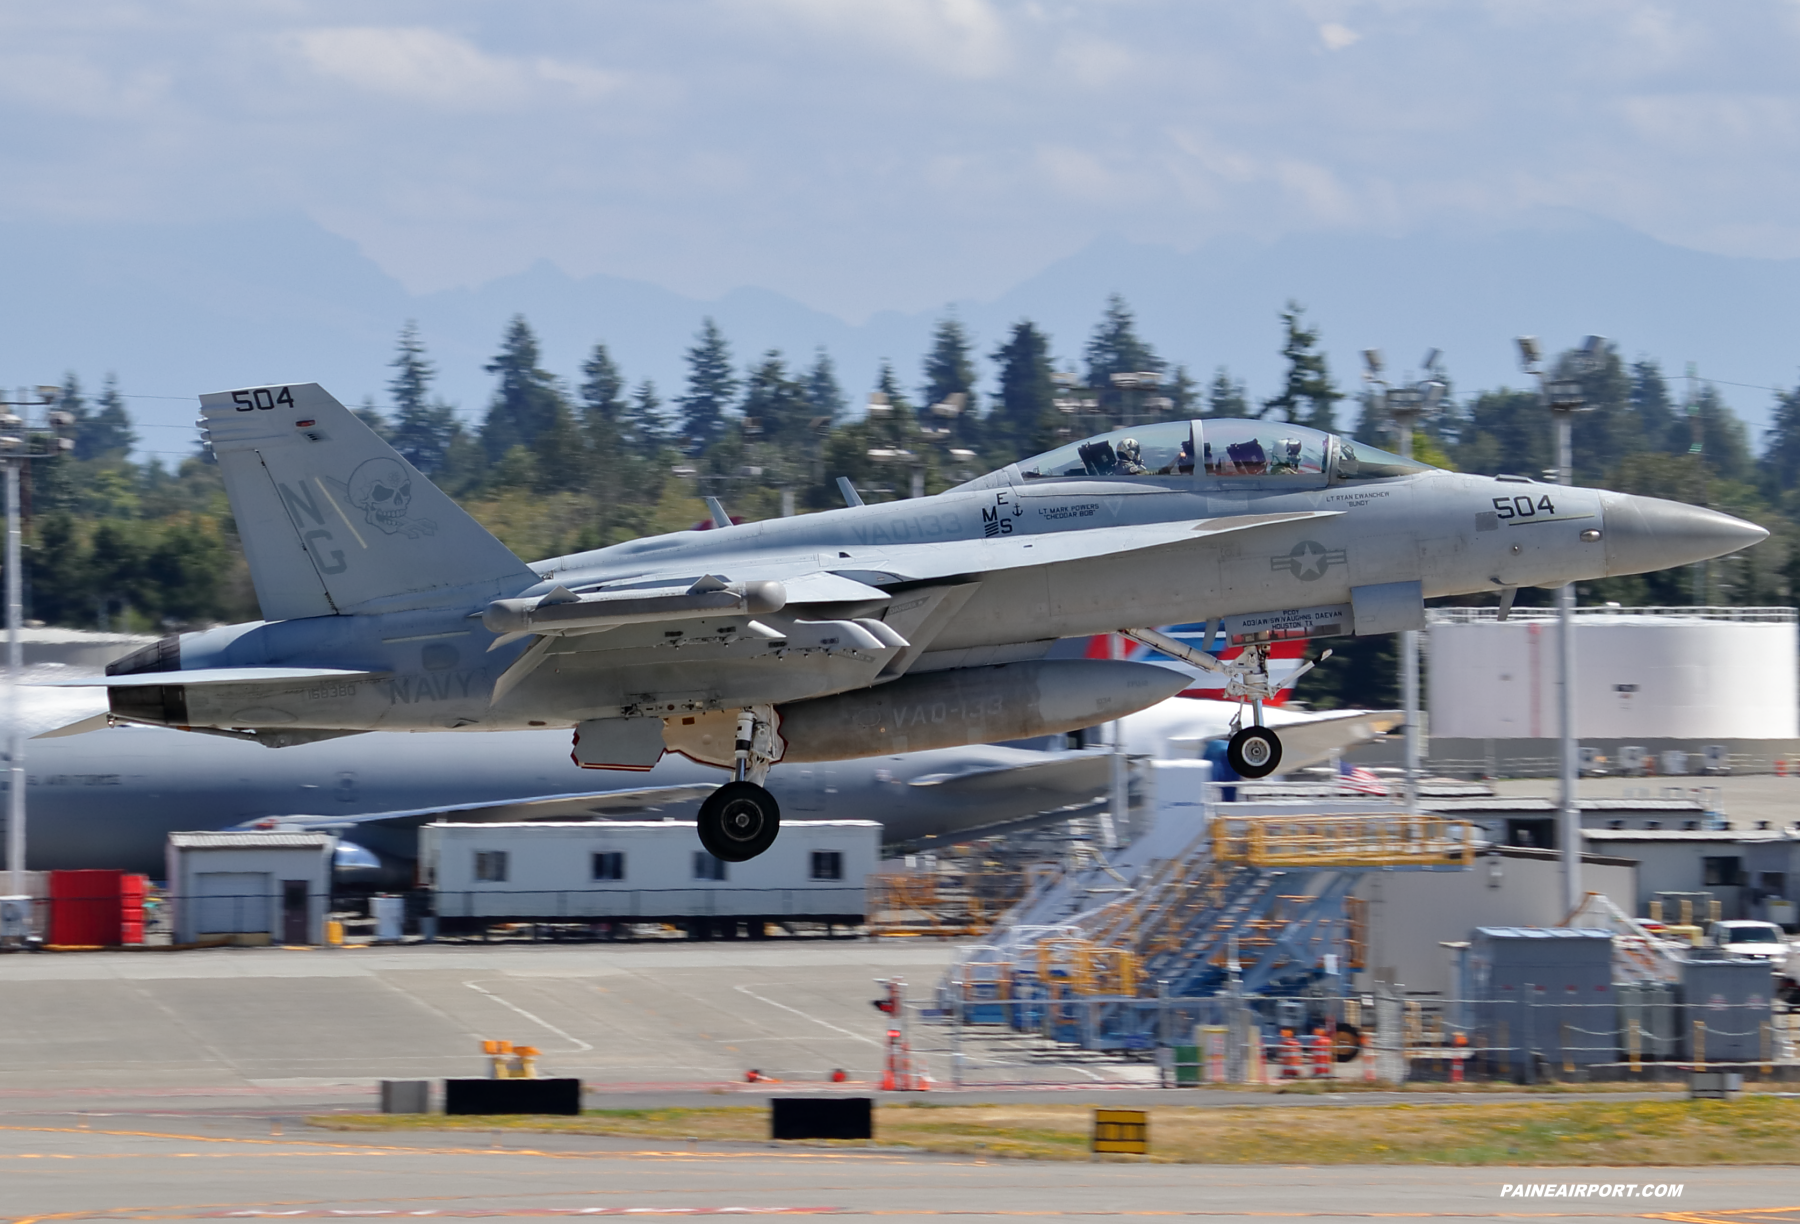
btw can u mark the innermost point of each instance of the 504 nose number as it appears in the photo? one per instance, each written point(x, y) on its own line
point(1522, 506)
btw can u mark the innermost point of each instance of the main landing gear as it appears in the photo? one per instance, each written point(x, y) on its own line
point(741, 819)
point(1254, 751)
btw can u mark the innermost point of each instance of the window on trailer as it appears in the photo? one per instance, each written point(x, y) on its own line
point(706, 867)
point(609, 865)
point(490, 866)
point(827, 864)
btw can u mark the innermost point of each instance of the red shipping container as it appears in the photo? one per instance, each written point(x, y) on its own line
point(85, 909)
point(132, 891)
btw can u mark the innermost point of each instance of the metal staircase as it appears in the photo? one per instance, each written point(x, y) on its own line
point(1260, 899)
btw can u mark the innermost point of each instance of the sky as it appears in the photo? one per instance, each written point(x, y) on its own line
point(862, 156)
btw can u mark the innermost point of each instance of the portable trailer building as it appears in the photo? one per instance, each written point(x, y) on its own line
point(644, 871)
point(250, 887)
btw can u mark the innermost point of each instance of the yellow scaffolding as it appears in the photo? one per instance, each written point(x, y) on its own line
point(1323, 842)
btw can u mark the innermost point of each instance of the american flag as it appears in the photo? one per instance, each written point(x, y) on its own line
point(1359, 781)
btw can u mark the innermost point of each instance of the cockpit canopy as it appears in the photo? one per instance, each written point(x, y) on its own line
point(1226, 448)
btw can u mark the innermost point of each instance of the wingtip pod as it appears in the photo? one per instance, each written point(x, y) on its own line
point(1643, 534)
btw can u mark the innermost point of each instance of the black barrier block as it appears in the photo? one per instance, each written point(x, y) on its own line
point(822, 1118)
point(512, 1096)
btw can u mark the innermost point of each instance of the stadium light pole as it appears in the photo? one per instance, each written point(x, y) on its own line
point(1406, 405)
point(1565, 397)
point(17, 448)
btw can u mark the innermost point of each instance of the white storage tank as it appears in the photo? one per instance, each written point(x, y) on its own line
point(634, 870)
point(1649, 673)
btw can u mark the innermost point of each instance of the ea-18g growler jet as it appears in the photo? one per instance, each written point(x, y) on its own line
point(856, 632)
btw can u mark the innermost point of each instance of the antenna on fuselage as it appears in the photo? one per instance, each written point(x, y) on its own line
point(851, 496)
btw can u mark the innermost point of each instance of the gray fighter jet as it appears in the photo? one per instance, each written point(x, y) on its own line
point(857, 632)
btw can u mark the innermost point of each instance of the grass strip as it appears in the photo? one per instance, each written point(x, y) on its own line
point(1755, 1130)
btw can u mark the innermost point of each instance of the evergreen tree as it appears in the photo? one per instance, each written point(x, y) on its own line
point(1308, 380)
point(526, 401)
point(422, 429)
point(106, 433)
point(1023, 420)
point(1780, 463)
point(822, 389)
point(1183, 394)
point(563, 458)
point(602, 391)
point(1115, 348)
point(644, 424)
point(1225, 396)
point(949, 366)
point(1724, 442)
point(370, 415)
point(711, 386)
point(1651, 404)
point(776, 407)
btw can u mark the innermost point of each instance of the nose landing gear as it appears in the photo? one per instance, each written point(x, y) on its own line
point(1254, 751)
point(741, 819)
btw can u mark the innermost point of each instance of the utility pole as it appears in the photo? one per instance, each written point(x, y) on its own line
point(1565, 398)
point(1406, 404)
point(17, 447)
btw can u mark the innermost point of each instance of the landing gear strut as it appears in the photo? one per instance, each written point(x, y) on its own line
point(741, 819)
point(1253, 751)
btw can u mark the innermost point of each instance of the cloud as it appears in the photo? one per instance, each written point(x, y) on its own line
point(958, 38)
point(1336, 37)
point(438, 69)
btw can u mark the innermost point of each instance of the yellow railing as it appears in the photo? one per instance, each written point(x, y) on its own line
point(1395, 840)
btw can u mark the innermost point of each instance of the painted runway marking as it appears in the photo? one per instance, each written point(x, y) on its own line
point(538, 1020)
point(828, 1024)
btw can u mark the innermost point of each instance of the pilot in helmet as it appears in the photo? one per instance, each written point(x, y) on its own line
point(1131, 458)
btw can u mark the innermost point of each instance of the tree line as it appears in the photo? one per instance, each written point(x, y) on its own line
point(561, 463)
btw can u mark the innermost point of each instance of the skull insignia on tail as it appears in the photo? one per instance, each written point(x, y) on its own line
point(382, 490)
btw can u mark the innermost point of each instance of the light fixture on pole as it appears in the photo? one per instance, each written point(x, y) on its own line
point(1405, 406)
point(1565, 397)
point(18, 445)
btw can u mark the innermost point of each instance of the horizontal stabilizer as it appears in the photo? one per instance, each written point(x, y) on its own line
point(94, 722)
point(217, 675)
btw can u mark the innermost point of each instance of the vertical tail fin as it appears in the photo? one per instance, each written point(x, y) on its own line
point(333, 520)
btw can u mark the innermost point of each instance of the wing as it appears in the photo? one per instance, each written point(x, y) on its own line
point(1061, 778)
point(585, 805)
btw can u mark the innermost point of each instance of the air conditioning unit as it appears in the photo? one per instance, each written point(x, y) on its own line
point(15, 918)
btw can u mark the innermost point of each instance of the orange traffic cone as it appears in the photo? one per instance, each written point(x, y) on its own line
point(1321, 1055)
point(1457, 1056)
point(1290, 1055)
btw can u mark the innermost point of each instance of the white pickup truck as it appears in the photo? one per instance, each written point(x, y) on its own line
point(1743, 937)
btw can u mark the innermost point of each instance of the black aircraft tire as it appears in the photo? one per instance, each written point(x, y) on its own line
point(1253, 752)
point(739, 821)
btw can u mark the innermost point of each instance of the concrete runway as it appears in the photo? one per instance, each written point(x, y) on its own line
point(224, 1168)
point(148, 1085)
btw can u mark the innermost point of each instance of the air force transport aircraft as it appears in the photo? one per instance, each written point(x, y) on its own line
point(110, 798)
point(859, 632)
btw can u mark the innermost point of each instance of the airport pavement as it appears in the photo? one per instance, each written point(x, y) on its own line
point(171, 1086)
point(225, 1168)
point(316, 1026)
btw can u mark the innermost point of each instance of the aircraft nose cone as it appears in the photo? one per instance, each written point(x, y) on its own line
point(1649, 533)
